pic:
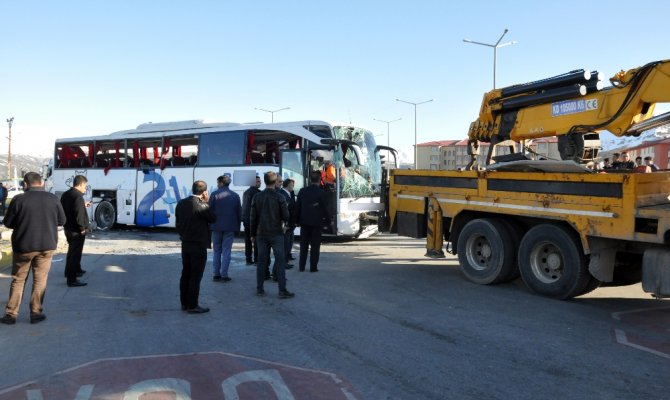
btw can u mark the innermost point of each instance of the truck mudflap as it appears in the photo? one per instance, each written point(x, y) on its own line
point(656, 272)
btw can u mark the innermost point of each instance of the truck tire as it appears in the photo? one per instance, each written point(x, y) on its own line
point(552, 263)
point(485, 251)
point(105, 215)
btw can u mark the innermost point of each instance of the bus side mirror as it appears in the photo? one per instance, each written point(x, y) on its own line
point(329, 142)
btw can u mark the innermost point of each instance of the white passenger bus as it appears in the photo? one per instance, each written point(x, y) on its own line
point(137, 176)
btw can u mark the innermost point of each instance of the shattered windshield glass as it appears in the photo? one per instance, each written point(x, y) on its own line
point(360, 166)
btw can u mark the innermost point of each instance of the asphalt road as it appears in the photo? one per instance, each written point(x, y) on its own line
point(379, 321)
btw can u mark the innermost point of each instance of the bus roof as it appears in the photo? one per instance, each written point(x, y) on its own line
point(191, 127)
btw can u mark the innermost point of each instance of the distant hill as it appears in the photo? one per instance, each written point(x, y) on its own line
point(21, 164)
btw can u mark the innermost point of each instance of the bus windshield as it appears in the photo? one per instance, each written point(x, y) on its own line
point(360, 166)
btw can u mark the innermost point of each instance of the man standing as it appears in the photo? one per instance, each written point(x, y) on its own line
point(193, 217)
point(75, 229)
point(250, 249)
point(649, 161)
point(311, 211)
point(225, 204)
point(287, 192)
point(34, 217)
point(625, 162)
point(269, 212)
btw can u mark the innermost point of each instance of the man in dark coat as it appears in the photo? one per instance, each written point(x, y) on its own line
point(269, 213)
point(34, 217)
point(225, 204)
point(193, 217)
point(311, 212)
point(250, 249)
point(75, 228)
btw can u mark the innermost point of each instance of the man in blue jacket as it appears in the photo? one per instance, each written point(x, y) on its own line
point(225, 204)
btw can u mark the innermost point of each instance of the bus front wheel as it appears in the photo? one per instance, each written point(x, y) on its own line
point(105, 215)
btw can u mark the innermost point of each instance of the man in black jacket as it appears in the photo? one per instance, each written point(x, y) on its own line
point(250, 249)
point(269, 212)
point(34, 217)
point(75, 228)
point(311, 211)
point(193, 217)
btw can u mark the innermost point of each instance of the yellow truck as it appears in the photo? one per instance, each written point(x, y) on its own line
point(564, 228)
point(566, 233)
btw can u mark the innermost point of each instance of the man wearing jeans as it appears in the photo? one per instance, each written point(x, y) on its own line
point(34, 217)
point(269, 213)
point(226, 205)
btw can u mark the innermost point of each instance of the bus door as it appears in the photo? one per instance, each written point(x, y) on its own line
point(293, 166)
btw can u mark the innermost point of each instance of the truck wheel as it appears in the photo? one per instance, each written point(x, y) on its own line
point(105, 215)
point(552, 263)
point(485, 251)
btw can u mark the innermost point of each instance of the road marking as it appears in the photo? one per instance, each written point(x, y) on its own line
point(621, 338)
point(617, 315)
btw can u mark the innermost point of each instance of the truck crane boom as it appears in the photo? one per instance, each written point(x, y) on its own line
point(573, 106)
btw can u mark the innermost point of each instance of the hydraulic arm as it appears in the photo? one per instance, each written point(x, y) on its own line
point(573, 106)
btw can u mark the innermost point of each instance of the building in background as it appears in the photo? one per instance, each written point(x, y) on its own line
point(453, 154)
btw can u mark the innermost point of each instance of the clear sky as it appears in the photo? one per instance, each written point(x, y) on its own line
point(80, 68)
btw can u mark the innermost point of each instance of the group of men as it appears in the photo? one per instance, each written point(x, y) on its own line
point(622, 161)
point(34, 217)
point(269, 218)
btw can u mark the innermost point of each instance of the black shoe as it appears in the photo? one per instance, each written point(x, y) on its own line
point(76, 284)
point(80, 273)
point(260, 293)
point(8, 319)
point(301, 269)
point(226, 279)
point(197, 310)
point(314, 270)
point(290, 257)
point(37, 318)
point(285, 294)
point(289, 266)
point(274, 278)
point(216, 278)
point(249, 262)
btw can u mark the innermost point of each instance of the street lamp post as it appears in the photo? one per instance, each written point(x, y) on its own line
point(388, 123)
point(10, 121)
point(495, 47)
point(415, 104)
point(272, 111)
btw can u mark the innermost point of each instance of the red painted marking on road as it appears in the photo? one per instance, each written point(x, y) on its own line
point(182, 377)
point(645, 329)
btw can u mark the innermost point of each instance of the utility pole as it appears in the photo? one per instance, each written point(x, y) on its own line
point(9, 148)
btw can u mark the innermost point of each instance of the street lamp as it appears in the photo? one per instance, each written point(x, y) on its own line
point(388, 137)
point(10, 121)
point(495, 50)
point(415, 104)
point(272, 111)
